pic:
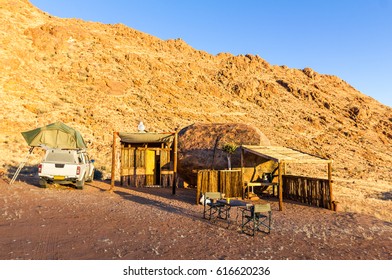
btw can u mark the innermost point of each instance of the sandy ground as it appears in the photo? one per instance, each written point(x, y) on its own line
point(150, 223)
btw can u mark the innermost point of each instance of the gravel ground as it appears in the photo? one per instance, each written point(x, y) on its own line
point(150, 223)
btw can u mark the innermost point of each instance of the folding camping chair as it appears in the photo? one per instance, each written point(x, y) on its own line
point(257, 217)
point(213, 208)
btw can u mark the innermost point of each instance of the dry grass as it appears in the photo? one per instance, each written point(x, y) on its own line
point(365, 197)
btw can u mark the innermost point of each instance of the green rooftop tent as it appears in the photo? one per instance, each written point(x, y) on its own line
point(54, 135)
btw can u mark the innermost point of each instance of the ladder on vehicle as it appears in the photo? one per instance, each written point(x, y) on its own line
point(21, 165)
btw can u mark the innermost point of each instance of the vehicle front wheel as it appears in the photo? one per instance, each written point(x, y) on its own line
point(91, 178)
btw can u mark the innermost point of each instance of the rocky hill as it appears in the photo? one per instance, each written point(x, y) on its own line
point(101, 78)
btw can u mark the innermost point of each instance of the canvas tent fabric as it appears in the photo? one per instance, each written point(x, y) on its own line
point(55, 135)
point(147, 137)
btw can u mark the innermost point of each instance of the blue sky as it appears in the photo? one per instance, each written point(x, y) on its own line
point(349, 39)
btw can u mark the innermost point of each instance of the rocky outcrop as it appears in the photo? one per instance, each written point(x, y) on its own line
point(200, 146)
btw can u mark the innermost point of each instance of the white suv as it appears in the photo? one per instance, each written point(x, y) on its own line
point(66, 167)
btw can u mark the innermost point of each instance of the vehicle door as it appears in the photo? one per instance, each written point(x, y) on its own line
point(89, 166)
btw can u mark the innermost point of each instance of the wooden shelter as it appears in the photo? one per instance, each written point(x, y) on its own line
point(283, 155)
point(146, 159)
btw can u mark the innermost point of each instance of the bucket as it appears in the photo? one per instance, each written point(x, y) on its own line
point(336, 206)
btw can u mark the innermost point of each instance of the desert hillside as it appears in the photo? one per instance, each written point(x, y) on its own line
point(101, 78)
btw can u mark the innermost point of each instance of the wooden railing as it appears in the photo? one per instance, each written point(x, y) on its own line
point(312, 191)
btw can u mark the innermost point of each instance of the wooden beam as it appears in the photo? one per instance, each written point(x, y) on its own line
point(280, 171)
point(242, 170)
point(198, 187)
point(175, 159)
point(115, 134)
point(122, 160)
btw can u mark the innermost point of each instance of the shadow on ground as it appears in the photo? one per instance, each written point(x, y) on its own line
point(183, 195)
point(29, 174)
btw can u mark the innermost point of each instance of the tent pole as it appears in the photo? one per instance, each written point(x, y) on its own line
point(21, 165)
point(113, 161)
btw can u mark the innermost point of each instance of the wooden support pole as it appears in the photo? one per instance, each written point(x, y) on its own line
point(280, 171)
point(242, 171)
point(113, 161)
point(198, 187)
point(175, 159)
point(122, 160)
point(330, 185)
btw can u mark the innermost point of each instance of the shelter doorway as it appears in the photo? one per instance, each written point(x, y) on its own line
point(157, 169)
point(150, 167)
point(153, 167)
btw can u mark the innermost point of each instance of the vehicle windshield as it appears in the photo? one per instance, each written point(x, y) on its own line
point(60, 157)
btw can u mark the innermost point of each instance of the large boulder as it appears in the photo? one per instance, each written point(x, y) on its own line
point(200, 146)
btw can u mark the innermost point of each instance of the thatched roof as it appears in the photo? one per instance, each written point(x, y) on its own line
point(284, 154)
point(147, 137)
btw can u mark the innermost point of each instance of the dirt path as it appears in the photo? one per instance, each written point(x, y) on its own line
point(149, 223)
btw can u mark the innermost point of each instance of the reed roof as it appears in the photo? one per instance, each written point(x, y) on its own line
point(284, 154)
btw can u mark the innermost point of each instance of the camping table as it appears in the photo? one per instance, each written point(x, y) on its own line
point(260, 184)
point(237, 203)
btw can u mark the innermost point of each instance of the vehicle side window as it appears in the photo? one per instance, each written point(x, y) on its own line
point(80, 158)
